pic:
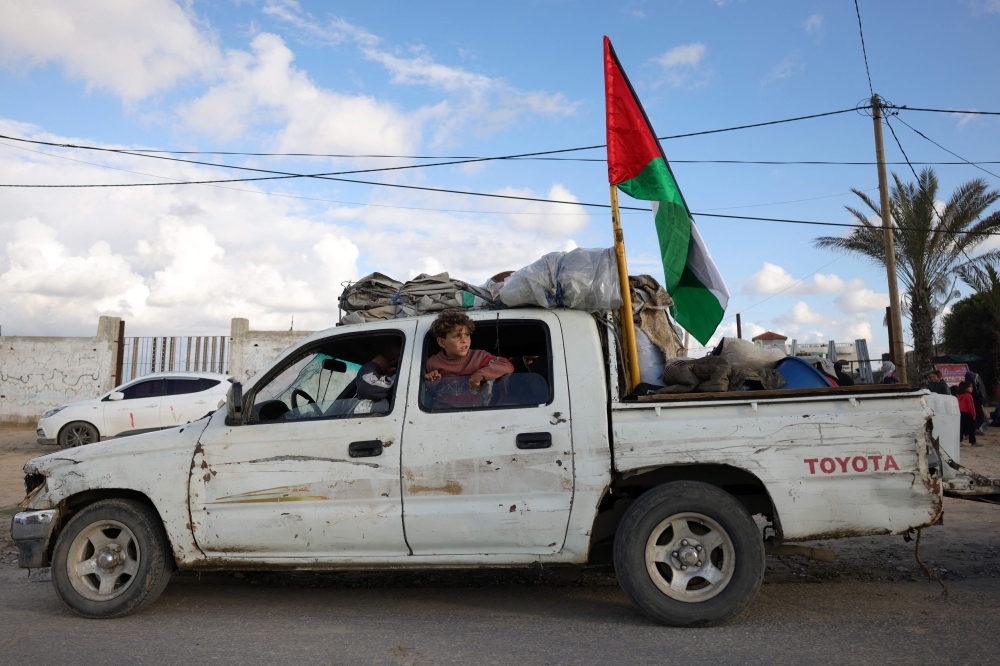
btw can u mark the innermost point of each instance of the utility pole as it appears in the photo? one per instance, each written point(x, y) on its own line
point(895, 320)
point(739, 327)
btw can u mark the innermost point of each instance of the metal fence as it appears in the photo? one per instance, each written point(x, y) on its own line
point(204, 353)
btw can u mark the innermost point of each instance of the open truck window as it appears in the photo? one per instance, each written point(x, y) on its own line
point(320, 382)
point(525, 343)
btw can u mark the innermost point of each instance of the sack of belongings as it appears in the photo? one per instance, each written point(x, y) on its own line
point(734, 365)
point(378, 296)
point(656, 340)
point(581, 279)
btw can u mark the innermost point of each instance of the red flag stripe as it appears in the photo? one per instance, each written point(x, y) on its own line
point(632, 143)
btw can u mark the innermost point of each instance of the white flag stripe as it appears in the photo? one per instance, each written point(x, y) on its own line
point(700, 262)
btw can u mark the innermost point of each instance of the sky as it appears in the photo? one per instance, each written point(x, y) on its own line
point(452, 79)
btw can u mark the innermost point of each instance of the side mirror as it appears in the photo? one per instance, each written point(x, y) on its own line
point(234, 405)
point(116, 395)
point(333, 365)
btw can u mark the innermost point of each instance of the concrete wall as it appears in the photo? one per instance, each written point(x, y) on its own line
point(38, 373)
point(250, 351)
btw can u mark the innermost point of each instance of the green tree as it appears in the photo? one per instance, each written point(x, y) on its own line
point(969, 327)
point(983, 275)
point(929, 245)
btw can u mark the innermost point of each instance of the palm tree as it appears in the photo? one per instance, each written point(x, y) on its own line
point(983, 275)
point(929, 244)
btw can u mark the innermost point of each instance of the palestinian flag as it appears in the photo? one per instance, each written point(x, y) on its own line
point(637, 165)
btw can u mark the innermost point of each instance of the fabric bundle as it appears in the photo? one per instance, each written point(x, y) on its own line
point(377, 296)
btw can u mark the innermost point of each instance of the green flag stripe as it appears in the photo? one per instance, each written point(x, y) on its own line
point(673, 223)
point(696, 308)
point(673, 230)
point(654, 183)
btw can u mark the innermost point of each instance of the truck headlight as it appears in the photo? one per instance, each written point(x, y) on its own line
point(53, 411)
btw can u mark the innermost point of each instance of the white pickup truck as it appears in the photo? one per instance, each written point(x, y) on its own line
point(549, 466)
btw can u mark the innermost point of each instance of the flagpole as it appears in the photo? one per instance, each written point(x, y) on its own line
point(630, 352)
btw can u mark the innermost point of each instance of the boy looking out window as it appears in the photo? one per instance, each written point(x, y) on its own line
point(453, 332)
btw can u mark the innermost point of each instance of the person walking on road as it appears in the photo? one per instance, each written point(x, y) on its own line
point(978, 396)
point(967, 409)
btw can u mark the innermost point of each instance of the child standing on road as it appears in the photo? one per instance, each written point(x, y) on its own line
point(453, 331)
point(967, 407)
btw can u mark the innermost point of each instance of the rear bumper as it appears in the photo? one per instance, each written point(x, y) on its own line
point(31, 531)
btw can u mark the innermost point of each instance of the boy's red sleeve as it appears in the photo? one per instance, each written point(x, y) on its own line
point(492, 367)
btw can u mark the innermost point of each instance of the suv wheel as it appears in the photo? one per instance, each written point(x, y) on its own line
point(78, 433)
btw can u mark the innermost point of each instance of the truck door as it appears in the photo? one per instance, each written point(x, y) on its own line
point(315, 472)
point(491, 472)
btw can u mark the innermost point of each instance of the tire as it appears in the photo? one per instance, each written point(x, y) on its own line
point(112, 559)
point(78, 433)
point(689, 518)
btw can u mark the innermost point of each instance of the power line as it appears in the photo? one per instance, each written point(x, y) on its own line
point(863, 50)
point(945, 149)
point(967, 113)
point(357, 203)
point(462, 160)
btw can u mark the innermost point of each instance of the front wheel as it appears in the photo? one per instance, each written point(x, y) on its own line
point(687, 554)
point(112, 559)
point(78, 433)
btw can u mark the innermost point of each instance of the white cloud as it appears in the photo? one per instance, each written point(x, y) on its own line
point(814, 24)
point(807, 325)
point(264, 87)
point(488, 104)
point(862, 300)
point(682, 66)
point(966, 118)
point(184, 260)
point(788, 67)
point(772, 279)
point(132, 49)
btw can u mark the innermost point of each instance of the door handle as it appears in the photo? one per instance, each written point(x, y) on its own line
point(368, 448)
point(534, 440)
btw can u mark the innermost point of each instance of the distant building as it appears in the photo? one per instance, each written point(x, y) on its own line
point(769, 340)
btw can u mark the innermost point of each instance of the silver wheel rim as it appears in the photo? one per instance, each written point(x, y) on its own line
point(689, 557)
point(103, 560)
point(78, 436)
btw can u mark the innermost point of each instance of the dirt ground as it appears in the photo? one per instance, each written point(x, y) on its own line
point(873, 590)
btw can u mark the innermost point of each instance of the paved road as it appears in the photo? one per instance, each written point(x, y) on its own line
point(873, 605)
point(285, 620)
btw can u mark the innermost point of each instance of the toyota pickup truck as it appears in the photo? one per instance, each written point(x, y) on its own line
point(549, 466)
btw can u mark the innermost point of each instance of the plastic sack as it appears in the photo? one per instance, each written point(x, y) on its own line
point(740, 352)
point(651, 360)
point(581, 279)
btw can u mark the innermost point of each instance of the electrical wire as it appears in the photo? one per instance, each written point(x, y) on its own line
point(967, 113)
point(863, 50)
point(356, 203)
point(152, 153)
point(945, 149)
point(551, 201)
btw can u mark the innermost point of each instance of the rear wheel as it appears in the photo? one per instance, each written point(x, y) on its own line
point(78, 433)
point(688, 554)
point(112, 559)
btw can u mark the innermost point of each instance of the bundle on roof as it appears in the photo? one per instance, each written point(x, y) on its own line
point(581, 279)
point(377, 296)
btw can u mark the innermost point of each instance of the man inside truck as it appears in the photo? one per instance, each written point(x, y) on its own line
point(377, 377)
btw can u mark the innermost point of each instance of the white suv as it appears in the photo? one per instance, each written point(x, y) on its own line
point(153, 402)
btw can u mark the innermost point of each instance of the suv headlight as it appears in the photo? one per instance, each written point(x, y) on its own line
point(53, 411)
